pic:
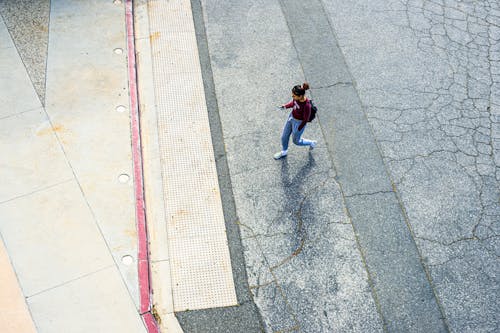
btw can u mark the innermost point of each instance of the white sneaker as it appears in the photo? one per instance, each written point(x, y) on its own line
point(313, 144)
point(280, 154)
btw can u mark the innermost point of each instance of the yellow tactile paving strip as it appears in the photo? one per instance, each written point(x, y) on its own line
point(14, 314)
point(200, 263)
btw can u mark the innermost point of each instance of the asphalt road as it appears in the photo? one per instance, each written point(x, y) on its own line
point(392, 222)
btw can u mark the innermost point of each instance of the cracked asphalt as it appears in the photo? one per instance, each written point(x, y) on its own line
point(392, 223)
point(435, 113)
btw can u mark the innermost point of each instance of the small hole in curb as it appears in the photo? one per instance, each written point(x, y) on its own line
point(118, 51)
point(123, 178)
point(127, 260)
point(121, 108)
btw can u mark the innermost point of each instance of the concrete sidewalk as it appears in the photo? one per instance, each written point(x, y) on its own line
point(67, 203)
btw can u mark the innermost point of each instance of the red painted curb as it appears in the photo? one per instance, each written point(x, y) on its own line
point(142, 253)
point(150, 322)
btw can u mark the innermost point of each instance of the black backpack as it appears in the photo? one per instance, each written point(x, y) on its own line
point(314, 109)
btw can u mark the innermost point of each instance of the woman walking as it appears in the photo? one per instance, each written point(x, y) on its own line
point(297, 120)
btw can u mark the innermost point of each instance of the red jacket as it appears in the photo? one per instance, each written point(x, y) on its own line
point(301, 111)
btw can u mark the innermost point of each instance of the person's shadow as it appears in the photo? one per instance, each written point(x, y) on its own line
point(294, 201)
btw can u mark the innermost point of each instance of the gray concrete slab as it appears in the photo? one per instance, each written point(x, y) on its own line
point(35, 159)
point(311, 33)
point(352, 145)
point(406, 299)
point(105, 306)
point(349, 305)
point(52, 241)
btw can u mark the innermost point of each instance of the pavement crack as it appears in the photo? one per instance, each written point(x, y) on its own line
point(367, 194)
point(345, 84)
point(257, 286)
point(450, 243)
point(287, 330)
point(253, 234)
point(300, 226)
point(71, 281)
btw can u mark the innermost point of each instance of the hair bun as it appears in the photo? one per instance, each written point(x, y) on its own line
point(305, 86)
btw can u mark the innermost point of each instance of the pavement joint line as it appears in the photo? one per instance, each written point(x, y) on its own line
point(345, 84)
point(368, 194)
point(22, 112)
point(413, 236)
point(269, 131)
point(70, 281)
point(38, 190)
point(365, 265)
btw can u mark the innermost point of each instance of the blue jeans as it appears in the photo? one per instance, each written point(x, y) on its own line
point(292, 128)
